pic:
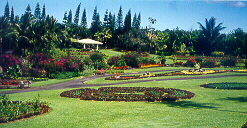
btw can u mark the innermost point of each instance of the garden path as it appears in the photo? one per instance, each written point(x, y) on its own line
point(80, 82)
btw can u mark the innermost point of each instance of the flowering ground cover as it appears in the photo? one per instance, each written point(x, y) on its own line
point(129, 94)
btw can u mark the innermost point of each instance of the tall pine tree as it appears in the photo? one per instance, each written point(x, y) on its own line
point(28, 10)
point(127, 22)
point(6, 11)
point(37, 11)
point(139, 20)
point(65, 17)
point(84, 19)
point(12, 15)
point(112, 22)
point(119, 21)
point(43, 15)
point(106, 19)
point(136, 21)
point(70, 17)
point(77, 13)
point(96, 24)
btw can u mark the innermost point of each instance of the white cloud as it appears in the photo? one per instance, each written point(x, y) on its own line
point(229, 3)
point(237, 4)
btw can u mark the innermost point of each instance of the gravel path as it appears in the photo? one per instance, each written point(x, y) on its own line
point(80, 83)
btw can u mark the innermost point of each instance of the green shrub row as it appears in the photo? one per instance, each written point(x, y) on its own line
point(226, 85)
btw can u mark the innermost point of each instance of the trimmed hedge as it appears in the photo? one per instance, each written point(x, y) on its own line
point(129, 94)
point(226, 85)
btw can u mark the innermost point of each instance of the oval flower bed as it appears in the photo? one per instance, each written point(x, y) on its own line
point(129, 94)
point(236, 86)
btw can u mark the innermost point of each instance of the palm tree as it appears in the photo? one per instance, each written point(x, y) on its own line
point(211, 33)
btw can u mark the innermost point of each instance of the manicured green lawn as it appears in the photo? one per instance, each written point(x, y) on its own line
point(209, 109)
point(111, 52)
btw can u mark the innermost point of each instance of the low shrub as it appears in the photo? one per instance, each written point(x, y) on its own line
point(209, 64)
point(66, 75)
point(190, 62)
point(231, 62)
point(235, 86)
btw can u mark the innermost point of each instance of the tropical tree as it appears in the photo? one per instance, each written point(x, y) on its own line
point(236, 42)
point(211, 33)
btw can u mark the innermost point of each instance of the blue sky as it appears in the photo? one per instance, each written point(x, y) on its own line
point(169, 14)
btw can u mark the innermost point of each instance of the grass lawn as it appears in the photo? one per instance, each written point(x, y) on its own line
point(209, 109)
point(111, 52)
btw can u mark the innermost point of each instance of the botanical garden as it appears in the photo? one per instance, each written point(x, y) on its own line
point(139, 77)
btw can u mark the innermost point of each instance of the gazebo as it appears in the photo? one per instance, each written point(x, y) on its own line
point(89, 41)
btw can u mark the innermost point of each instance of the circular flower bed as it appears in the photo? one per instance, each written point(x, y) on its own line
point(128, 94)
point(236, 86)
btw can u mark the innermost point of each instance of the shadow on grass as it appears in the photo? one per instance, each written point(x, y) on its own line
point(238, 99)
point(189, 104)
point(194, 105)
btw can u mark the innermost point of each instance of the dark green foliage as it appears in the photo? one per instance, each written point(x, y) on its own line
point(227, 85)
point(231, 62)
point(65, 75)
point(12, 15)
point(127, 22)
point(43, 15)
point(6, 11)
point(70, 17)
point(136, 21)
point(119, 22)
point(208, 64)
point(96, 23)
point(132, 59)
point(199, 60)
point(28, 10)
point(84, 19)
point(116, 61)
point(77, 13)
point(65, 17)
point(37, 11)
point(211, 33)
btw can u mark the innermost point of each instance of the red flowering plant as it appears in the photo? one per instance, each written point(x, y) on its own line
point(191, 62)
point(116, 61)
point(11, 65)
point(38, 60)
point(51, 65)
point(132, 59)
point(209, 64)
